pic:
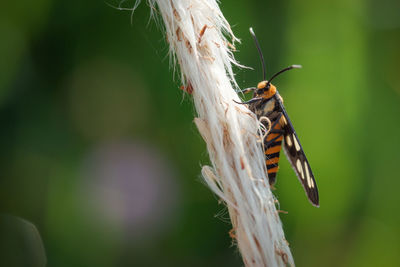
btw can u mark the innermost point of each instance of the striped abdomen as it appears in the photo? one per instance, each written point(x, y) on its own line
point(273, 141)
point(272, 144)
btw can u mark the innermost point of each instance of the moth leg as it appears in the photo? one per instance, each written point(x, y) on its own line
point(271, 126)
point(253, 100)
point(246, 90)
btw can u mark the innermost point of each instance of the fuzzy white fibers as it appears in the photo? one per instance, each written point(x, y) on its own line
point(196, 31)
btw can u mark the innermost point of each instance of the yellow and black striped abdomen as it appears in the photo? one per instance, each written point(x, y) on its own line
point(273, 143)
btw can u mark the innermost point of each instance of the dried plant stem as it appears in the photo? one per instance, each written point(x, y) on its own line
point(196, 31)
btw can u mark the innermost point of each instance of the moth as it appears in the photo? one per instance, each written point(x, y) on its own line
point(267, 104)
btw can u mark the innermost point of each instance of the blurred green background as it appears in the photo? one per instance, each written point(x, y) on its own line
point(100, 159)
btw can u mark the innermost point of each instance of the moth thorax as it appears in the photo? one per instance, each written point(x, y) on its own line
point(266, 92)
point(270, 92)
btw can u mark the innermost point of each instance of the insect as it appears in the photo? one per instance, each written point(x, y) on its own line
point(267, 104)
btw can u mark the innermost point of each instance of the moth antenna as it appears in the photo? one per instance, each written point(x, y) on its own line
point(259, 51)
point(279, 72)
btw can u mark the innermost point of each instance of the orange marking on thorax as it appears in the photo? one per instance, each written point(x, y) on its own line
point(267, 93)
point(270, 93)
point(274, 149)
point(261, 85)
point(273, 170)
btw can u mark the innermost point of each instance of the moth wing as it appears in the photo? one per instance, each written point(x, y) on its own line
point(295, 154)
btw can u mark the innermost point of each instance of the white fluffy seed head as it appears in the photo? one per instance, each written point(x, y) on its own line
point(201, 42)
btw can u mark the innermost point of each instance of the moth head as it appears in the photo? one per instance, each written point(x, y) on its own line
point(265, 89)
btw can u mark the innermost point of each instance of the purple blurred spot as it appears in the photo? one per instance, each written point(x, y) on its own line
point(131, 185)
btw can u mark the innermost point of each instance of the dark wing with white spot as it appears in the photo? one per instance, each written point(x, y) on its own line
point(295, 154)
